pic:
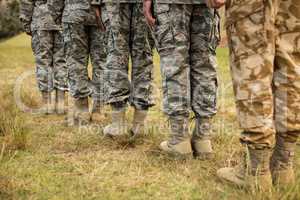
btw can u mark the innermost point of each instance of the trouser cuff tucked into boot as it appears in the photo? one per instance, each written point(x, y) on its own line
point(179, 144)
point(81, 114)
point(252, 172)
point(201, 143)
point(48, 101)
point(283, 160)
point(118, 126)
point(60, 102)
point(138, 124)
point(97, 112)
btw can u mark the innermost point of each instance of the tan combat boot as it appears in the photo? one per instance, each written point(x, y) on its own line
point(118, 126)
point(60, 102)
point(179, 144)
point(70, 118)
point(138, 124)
point(81, 112)
point(48, 106)
point(97, 115)
point(252, 173)
point(282, 162)
point(201, 143)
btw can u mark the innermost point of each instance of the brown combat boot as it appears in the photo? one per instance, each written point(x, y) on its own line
point(252, 173)
point(97, 115)
point(48, 106)
point(118, 126)
point(179, 144)
point(60, 102)
point(81, 112)
point(138, 124)
point(201, 143)
point(282, 162)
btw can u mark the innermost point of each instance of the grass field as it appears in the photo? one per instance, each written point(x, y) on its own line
point(41, 158)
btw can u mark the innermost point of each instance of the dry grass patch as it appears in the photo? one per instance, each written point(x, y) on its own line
point(13, 129)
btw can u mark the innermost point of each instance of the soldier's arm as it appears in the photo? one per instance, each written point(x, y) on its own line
point(98, 13)
point(147, 9)
point(215, 3)
point(26, 12)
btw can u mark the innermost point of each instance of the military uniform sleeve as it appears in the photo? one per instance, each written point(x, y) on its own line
point(26, 12)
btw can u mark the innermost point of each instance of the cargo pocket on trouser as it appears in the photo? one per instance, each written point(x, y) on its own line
point(246, 27)
point(255, 111)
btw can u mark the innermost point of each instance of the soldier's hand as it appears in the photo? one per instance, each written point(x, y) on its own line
point(26, 26)
point(147, 8)
point(98, 14)
point(29, 33)
point(27, 30)
point(215, 3)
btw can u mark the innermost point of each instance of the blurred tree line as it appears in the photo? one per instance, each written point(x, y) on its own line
point(9, 18)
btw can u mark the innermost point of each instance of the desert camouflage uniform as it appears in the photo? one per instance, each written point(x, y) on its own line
point(47, 43)
point(128, 36)
point(264, 40)
point(187, 34)
point(83, 39)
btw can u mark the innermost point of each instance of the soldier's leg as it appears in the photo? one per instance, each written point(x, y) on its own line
point(287, 93)
point(77, 53)
point(142, 68)
point(173, 38)
point(204, 40)
point(118, 52)
point(98, 43)
point(60, 72)
point(250, 28)
point(116, 71)
point(42, 45)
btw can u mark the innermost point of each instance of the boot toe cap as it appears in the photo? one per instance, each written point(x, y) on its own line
point(228, 174)
point(164, 146)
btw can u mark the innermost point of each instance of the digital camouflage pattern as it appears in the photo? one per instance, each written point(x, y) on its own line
point(95, 2)
point(129, 36)
point(35, 14)
point(84, 40)
point(181, 1)
point(47, 43)
point(187, 37)
point(264, 40)
point(51, 69)
point(117, 1)
point(79, 12)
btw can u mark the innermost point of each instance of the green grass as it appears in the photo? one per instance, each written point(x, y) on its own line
point(51, 161)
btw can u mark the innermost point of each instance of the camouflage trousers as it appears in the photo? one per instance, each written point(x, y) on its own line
point(264, 40)
point(51, 69)
point(129, 36)
point(187, 37)
point(83, 42)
